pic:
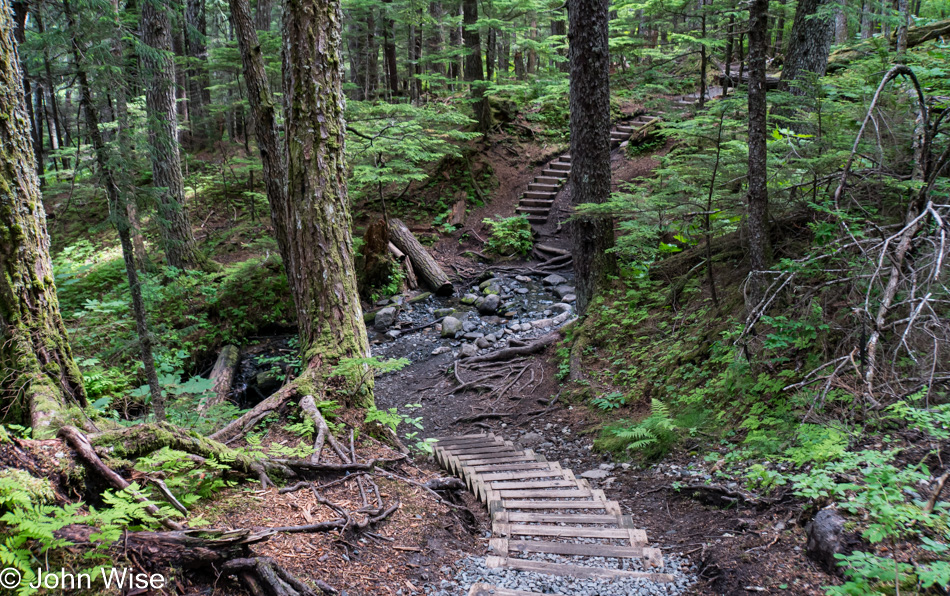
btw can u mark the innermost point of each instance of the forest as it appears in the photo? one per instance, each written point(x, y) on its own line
point(471, 297)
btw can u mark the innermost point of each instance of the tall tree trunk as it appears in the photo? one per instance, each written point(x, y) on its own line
point(590, 143)
point(178, 240)
point(118, 213)
point(474, 74)
point(436, 39)
point(866, 12)
point(58, 122)
point(371, 57)
point(313, 223)
point(39, 374)
point(758, 198)
point(779, 28)
point(904, 10)
point(33, 104)
point(841, 23)
point(199, 78)
point(389, 49)
point(262, 16)
point(559, 27)
point(808, 46)
point(504, 55)
point(730, 42)
point(263, 108)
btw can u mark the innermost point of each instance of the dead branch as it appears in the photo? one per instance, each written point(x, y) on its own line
point(508, 353)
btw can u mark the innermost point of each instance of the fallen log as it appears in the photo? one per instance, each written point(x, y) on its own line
point(841, 57)
point(423, 264)
point(222, 376)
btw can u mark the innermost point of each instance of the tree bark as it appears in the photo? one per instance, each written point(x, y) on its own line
point(313, 223)
point(841, 23)
point(262, 15)
point(422, 262)
point(589, 57)
point(474, 74)
point(222, 376)
point(158, 67)
point(39, 374)
point(389, 50)
point(757, 222)
point(117, 212)
point(808, 46)
point(904, 14)
point(199, 79)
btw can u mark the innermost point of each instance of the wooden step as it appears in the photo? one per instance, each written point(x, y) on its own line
point(536, 203)
point(488, 448)
point(552, 180)
point(533, 210)
point(508, 467)
point(567, 518)
point(552, 173)
point(625, 129)
point(544, 187)
point(562, 569)
point(528, 474)
point(535, 194)
point(634, 537)
point(525, 504)
point(564, 167)
point(490, 590)
point(653, 556)
point(513, 484)
point(537, 219)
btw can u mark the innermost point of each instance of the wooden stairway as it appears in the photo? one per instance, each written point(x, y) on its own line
point(539, 507)
point(536, 202)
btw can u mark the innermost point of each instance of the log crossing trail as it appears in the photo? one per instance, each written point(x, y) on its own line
point(540, 509)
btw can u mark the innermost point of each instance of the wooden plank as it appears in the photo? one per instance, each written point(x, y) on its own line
point(582, 504)
point(458, 437)
point(502, 460)
point(490, 590)
point(581, 550)
point(635, 538)
point(507, 484)
point(534, 465)
point(567, 518)
point(539, 493)
point(577, 570)
point(504, 453)
point(554, 471)
point(494, 448)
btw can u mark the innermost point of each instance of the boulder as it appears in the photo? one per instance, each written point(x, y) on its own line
point(595, 474)
point(444, 312)
point(569, 298)
point(827, 538)
point(553, 280)
point(489, 282)
point(384, 318)
point(561, 307)
point(468, 299)
point(450, 326)
point(491, 289)
point(563, 291)
point(531, 439)
point(489, 305)
point(482, 343)
point(467, 350)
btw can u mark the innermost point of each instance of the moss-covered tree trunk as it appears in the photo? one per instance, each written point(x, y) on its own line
point(589, 57)
point(158, 70)
point(313, 222)
point(38, 376)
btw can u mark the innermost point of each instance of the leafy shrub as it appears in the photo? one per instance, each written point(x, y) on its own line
point(509, 236)
point(652, 437)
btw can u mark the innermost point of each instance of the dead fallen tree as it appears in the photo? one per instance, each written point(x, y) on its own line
point(841, 57)
point(222, 376)
point(423, 264)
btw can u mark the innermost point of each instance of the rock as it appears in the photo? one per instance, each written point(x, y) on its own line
point(491, 337)
point(469, 326)
point(443, 312)
point(491, 289)
point(489, 282)
point(541, 323)
point(563, 291)
point(608, 467)
point(827, 538)
point(450, 326)
point(489, 305)
point(561, 318)
point(531, 439)
point(382, 302)
point(569, 298)
point(441, 350)
point(522, 278)
point(269, 381)
point(595, 474)
point(482, 343)
point(511, 313)
point(467, 350)
point(398, 299)
point(486, 275)
point(384, 318)
point(473, 335)
point(559, 307)
point(553, 280)
point(521, 290)
point(393, 334)
point(468, 299)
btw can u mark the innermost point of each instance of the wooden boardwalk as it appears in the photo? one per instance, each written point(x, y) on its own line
point(538, 507)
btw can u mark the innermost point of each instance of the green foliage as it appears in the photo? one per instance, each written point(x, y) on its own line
point(510, 235)
point(652, 437)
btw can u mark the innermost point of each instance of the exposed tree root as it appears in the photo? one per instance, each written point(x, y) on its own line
point(262, 576)
point(509, 353)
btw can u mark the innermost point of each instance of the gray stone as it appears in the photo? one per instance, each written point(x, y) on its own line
point(384, 318)
point(441, 350)
point(467, 350)
point(382, 302)
point(561, 307)
point(521, 290)
point(482, 343)
point(468, 299)
point(827, 538)
point(531, 439)
point(473, 335)
point(444, 312)
point(450, 326)
point(491, 289)
point(553, 280)
point(490, 304)
point(523, 278)
point(569, 298)
point(595, 474)
point(563, 291)
point(489, 282)
point(468, 326)
point(393, 334)
point(541, 323)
